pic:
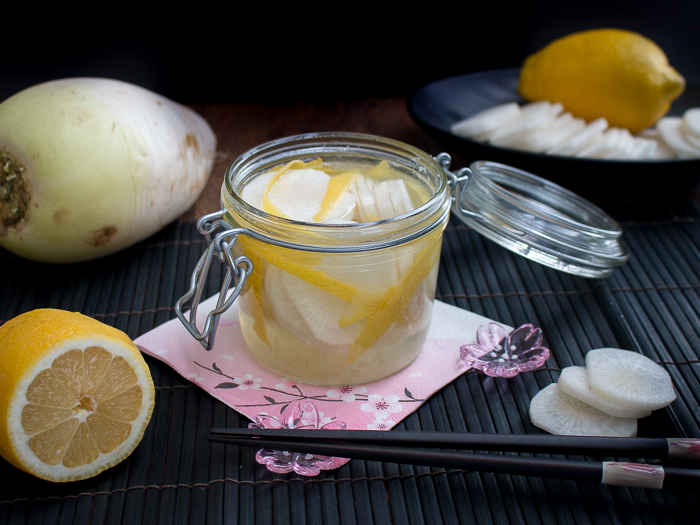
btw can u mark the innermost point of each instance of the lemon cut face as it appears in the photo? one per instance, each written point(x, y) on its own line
point(81, 407)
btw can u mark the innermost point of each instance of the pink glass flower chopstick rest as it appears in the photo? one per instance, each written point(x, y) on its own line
point(499, 354)
point(301, 415)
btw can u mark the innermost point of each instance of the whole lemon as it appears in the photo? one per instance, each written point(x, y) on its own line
point(611, 73)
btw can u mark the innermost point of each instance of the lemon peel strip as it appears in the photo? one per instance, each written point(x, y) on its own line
point(267, 205)
point(380, 172)
point(382, 312)
point(339, 184)
point(300, 265)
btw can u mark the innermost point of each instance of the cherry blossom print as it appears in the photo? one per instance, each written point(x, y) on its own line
point(323, 419)
point(346, 393)
point(381, 406)
point(498, 354)
point(298, 414)
point(286, 384)
point(381, 424)
point(248, 381)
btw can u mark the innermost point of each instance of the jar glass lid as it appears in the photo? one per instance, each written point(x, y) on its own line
point(538, 219)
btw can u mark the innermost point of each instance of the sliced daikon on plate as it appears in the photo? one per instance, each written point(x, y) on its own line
point(532, 116)
point(691, 122)
point(662, 150)
point(623, 148)
point(644, 148)
point(602, 148)
point(692, 139)
point(563, 128)
point(591, 134)
point(671, 133)
point(538, 139)
point(486, 121)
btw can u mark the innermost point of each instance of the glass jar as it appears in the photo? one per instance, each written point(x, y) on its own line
point(351, 303)
point(345, 303)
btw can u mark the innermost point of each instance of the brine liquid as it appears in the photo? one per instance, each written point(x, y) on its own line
point(338, 319)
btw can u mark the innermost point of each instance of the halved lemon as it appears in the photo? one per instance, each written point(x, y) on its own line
point(75, 395)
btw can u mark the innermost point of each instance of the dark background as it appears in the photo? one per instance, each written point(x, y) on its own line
point(222, 52)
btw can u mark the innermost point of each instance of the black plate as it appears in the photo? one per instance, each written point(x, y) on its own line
point(438, 105)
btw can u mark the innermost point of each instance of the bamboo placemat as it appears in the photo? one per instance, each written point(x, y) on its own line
point(651, 305)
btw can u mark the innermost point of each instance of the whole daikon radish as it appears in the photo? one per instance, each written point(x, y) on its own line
point(91, 166)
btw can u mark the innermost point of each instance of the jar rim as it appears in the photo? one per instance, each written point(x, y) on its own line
point(324, 237)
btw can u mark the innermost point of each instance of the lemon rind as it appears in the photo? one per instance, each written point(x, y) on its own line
point(18, 438)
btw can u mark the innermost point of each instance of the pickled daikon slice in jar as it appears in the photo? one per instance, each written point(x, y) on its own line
point(337, 318)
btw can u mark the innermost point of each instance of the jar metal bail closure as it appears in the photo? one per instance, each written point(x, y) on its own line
point(351, 303)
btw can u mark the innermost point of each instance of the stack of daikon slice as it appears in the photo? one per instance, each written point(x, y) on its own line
point(545, 127)
point(604, 398)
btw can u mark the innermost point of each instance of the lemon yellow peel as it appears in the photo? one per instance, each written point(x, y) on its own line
point(615, 74)
point(337, 187)
point(381, 171)
point(96, 376)
point(383, 311)
point(300, 264)
point(267, 205)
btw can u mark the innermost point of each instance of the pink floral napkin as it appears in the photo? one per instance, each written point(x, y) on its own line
point(231, 374)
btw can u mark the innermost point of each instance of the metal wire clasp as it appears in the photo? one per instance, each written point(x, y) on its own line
point(457, 181)
point(237, 271)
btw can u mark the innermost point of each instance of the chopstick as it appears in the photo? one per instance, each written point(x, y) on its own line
point(657, 448)
point(402, 447)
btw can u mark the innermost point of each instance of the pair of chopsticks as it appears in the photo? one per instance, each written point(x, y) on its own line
point(417, 448)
